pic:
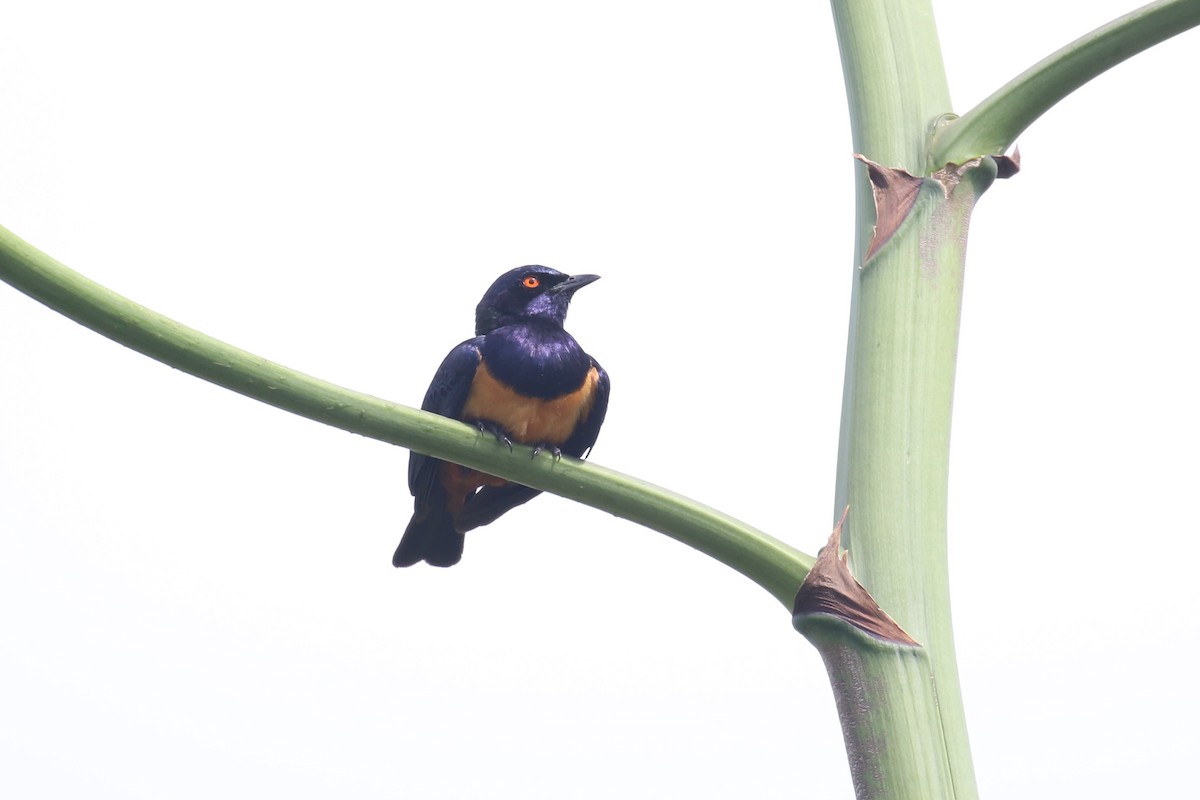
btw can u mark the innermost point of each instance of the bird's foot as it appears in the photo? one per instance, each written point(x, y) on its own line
point(495, 430)
point(549, 448)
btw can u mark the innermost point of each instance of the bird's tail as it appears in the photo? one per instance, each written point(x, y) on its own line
point(430, 537)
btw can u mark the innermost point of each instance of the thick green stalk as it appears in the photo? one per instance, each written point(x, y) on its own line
point(895, 471)
point(775, 566)
point(880, 735)
point(993, 125)
point(883, 682)
point(894, 448)
point(895, 84)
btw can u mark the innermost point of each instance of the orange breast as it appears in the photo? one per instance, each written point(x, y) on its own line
point(528, 419)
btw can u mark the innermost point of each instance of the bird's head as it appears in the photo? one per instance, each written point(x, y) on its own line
point(524, 292)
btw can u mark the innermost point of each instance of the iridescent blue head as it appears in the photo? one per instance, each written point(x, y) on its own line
point(527, 292)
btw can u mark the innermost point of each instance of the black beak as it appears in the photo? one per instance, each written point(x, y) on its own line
point(573, 283)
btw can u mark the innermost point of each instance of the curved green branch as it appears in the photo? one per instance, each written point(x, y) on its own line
point(777, 567)
point(993, 125)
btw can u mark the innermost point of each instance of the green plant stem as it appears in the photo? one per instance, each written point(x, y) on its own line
point(774, 565)
point(897, 722)
point(895, 83)
point(895, 473)
point(992, 126)
point(893, 464)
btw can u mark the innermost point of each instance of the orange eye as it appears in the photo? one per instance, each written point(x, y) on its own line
point(531, 282)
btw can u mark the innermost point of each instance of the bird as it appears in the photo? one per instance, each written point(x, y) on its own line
point(523, 379)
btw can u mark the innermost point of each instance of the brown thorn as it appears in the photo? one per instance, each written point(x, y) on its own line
point(895, 192)
point(830, 588)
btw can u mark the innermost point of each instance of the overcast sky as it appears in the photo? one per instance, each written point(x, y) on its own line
point(197, 593)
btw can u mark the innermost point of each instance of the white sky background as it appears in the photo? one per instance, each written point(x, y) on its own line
point(197, 593)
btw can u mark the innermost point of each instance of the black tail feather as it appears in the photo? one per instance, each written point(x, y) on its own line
point(430, 537)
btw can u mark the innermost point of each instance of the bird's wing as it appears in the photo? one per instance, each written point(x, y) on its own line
point(585, 434)
point(447, 394)
point(490, 503)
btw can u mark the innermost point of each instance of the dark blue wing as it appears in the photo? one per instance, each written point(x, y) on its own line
point(490, 503)
point(584, 437)
point(447, 394)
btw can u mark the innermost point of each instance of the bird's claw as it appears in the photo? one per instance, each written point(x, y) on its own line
point(552, 449)
point(495, 430)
